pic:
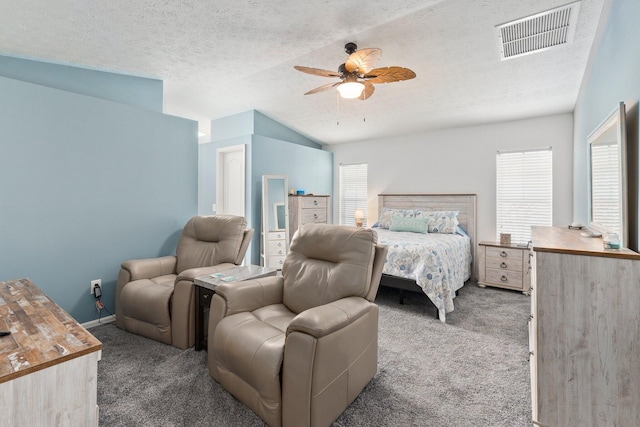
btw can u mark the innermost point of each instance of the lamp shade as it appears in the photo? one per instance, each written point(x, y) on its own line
point(350, 90)
point(358, 214)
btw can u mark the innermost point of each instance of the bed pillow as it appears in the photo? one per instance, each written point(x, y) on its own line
point(414, 225)
point(387, 214)
point(445, 222)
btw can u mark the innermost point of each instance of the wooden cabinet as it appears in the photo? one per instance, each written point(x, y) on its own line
point(585, 331)
point(504, 266)
point(49, 363)
point(307, 209)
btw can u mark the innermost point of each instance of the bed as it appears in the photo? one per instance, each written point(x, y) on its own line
point(435, 264)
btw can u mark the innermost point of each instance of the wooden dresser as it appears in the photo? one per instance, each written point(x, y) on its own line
point(49, 363)
point(503, 266)
point(584, 331)
point(306, 209)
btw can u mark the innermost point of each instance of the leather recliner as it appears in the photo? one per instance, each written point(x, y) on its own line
point(155, 297)
point(298, 348)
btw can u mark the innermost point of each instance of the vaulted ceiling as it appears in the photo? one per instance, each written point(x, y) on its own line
point(219, 58)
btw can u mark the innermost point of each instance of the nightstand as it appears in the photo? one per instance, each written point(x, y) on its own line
point(504, 266)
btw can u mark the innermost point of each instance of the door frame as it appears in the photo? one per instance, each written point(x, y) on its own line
point(220, 153)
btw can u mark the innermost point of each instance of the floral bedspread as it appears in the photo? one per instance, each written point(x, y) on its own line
point(439, 263)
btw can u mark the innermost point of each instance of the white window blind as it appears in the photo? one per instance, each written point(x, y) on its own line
point(353, 193)
point(524, 192)
point(605, 185)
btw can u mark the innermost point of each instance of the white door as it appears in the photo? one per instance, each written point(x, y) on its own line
point(230, 188)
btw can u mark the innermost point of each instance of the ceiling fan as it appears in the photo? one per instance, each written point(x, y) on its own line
point(357, 75)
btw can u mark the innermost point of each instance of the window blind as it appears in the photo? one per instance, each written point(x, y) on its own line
point(353, 192)
point(605, 185)
point(524, 192)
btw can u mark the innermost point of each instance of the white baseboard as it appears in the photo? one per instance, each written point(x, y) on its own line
point(102, 321)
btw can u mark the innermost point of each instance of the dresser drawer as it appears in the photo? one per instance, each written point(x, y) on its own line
point(313, 202)
point(494, 252)
point(275, 235)
point(507, 263)
point(313, 215)
point(275, 261)
point(276, 247)
point(504, 277)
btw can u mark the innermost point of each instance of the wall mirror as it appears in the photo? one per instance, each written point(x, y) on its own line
point(275, 220)
point(607, 187)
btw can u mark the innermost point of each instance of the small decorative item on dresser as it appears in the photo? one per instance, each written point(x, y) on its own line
point(505, 238)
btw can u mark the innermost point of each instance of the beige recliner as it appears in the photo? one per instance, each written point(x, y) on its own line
point(298, 349)
point(155, 297)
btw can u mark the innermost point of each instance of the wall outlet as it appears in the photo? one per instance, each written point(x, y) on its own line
point(94, 283)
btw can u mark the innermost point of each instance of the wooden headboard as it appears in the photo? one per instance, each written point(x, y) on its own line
point(465, 204)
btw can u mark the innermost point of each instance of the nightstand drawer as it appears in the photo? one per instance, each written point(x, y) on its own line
point(508, 263)
point(508, 253)
point(504, 277)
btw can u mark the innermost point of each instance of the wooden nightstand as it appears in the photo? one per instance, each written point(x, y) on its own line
point(504, 266)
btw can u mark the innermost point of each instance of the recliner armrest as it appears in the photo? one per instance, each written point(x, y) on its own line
point(325, 319)
point(192, 273)
point(250, 295)
point(150, 267)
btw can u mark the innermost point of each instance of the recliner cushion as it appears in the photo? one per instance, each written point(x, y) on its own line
point(251, 366)
point(326, 263)
point(195, 248)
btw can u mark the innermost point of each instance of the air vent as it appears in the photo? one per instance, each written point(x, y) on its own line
point(538, 32)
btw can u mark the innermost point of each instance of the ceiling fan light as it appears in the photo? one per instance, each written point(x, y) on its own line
point(350, 90)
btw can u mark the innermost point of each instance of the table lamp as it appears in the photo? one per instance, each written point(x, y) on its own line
point(359, 216)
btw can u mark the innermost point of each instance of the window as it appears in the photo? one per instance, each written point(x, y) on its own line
point(605, 185)
point(524, 192)
point(353, 193)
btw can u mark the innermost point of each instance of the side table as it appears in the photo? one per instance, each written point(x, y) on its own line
point(504, 266)
point(206, 288)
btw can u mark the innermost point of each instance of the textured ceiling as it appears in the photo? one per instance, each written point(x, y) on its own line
point(218, 58)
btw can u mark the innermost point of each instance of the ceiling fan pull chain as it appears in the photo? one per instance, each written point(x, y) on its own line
point(337, 108)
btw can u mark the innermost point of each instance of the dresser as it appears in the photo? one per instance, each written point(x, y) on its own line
point(584, 331)
point(504, 266)
point(306, 209)
point(275, 249)
point(48, 364)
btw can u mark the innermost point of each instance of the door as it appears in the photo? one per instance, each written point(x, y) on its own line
point(230, 188)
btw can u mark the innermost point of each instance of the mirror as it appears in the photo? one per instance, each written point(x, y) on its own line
point(275, 220)
point(608, 177)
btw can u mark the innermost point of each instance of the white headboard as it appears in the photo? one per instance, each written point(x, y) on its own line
point(465, 204)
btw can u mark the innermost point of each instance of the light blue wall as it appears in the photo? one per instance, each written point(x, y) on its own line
point(266, 126)
point(306, 168)
point(85, 184)
point(277, 151)
point(613, 76)
point(136, 91)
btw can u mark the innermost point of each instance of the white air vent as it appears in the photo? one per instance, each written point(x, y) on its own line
point(538, 32)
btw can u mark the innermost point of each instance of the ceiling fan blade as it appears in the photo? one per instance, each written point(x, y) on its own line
point(363, 60)
point(369, 88)
point(389, 75)
point(317, 71)
point(323, 88)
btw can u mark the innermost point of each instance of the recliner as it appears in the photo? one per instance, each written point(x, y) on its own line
point(155, 297)
point(298, 348)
